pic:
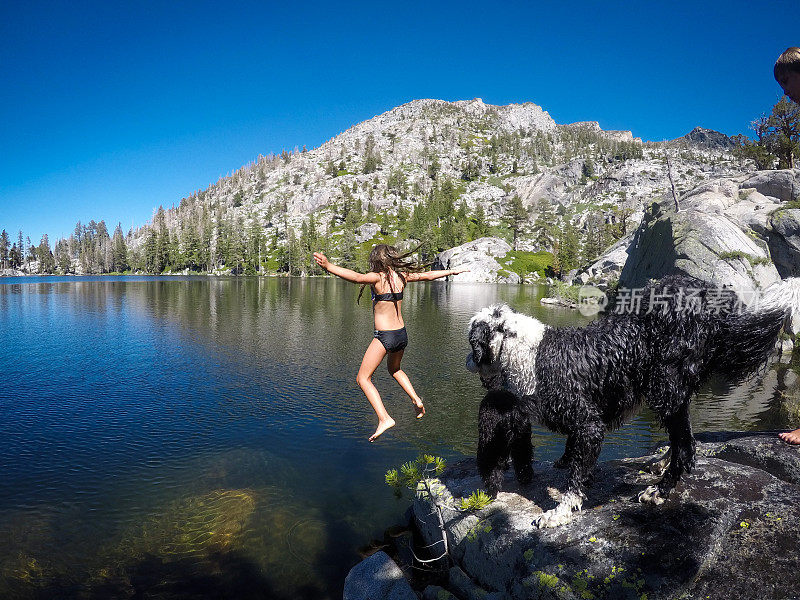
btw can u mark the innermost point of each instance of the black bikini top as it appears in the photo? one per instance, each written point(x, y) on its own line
point(388, 297)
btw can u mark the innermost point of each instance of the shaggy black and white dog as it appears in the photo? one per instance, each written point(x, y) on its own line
point(582, 382)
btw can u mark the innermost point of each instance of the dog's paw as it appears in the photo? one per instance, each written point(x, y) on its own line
point(651, 495)
point(552, 518)
point(561, 514)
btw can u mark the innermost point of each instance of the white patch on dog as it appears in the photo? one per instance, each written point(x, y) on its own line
point(561, 514)
point(513, 340)
point(554, 494)
point(651, 495)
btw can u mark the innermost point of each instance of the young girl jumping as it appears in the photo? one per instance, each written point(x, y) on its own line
point(389, 271)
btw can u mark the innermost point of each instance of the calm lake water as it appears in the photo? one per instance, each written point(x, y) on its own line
point(174, 437)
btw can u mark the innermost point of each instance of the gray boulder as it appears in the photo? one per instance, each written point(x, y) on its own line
point(729, 530)
point(609, 266)
point(367, 231)
point(699, 241)
point(784, 243)
point(783, 185)
point(377, 577)
point(730, 232)
point(480, 256)
point(753, 211)
point(551, 185)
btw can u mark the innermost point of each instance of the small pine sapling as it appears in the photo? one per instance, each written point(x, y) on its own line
point(420, 475)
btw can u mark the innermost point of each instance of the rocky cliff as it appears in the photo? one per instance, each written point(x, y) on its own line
point(729, 531)
point(461, 164)
point(741, 232)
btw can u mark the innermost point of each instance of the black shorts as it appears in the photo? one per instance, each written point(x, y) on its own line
point(393, 340)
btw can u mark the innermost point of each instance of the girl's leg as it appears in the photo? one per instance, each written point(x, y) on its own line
point(393, 364)
point(372, 358)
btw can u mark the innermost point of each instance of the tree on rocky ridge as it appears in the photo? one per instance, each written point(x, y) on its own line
point(480, 226)
point(21, 248)
point(14, 258)
point(119, 251)
point(371, 156)
point(777, 142)
point(785, 124)
point(44, 255)
point(5, 244)
point(566, 249)
point(516, 216)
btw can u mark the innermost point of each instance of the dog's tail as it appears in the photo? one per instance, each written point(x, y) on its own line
point(784, 295)
point(747, 338)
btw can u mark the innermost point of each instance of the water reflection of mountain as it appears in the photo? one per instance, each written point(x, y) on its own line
point(132, 398)
point(290, 343)
point(752, 405)
point(283, 343)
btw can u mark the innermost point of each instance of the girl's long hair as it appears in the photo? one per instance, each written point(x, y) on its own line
point(384, 258)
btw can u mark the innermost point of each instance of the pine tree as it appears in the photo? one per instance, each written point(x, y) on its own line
point(567, 249)
point(14, 257)
point(402, 219)
point(151, 252)
point(204, 258)
point(516, 216)
point(397, 182)
point(255, 246)
point(47, 263)
point(5, 244)
point(434, 167)
point(461, 225)
point(119, 251)
point(443, 211)
point(785, 123)
point(190, 242)
point(596, 239)
point(20, 249)
point(371, 156)
point(174, 255)
point(544, 228)
point(78, 235)
point(162, 247)
point(480, 226)
point(347, 248)
point(289, 256)
point(63, 256)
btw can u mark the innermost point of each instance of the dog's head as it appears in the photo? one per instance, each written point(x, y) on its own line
point(504, 346)
point(486, 333)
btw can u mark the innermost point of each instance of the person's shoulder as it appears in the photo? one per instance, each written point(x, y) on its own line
point(372, 278)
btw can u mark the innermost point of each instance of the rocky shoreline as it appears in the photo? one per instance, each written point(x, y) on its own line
point(730, 530)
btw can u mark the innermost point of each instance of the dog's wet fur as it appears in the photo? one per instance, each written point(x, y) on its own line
point(584, 381)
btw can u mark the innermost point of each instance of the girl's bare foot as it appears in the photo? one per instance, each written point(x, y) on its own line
point(382, 426)
point(791, 437)
point(419, 407)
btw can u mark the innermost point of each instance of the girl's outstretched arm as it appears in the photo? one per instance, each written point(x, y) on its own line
point(347, 274)
point(431, 275)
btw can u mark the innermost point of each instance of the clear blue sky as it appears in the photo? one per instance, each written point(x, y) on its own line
point(110, 109)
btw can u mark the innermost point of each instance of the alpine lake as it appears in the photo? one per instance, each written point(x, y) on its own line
point(180, 437)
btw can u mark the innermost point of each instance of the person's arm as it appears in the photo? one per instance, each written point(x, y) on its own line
point(431, 275)
point(347, 274)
